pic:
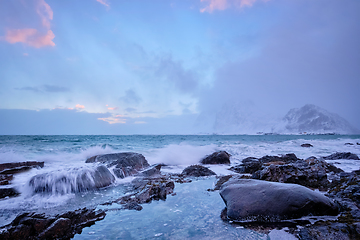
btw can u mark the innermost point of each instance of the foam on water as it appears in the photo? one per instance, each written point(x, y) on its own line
point(179, 154)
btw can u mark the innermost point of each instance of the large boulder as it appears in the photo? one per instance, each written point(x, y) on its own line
point(255, 200)
point(220, 157)
point(197, 171)
point(74, 180)
point(342, 155)
point(126, 163)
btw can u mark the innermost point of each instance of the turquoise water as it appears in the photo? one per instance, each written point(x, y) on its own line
point(193, 213)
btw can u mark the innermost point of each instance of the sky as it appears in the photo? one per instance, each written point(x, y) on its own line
point(168, 66)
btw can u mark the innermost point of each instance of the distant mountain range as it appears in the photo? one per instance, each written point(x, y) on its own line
point(242, 118)
point(313, 119)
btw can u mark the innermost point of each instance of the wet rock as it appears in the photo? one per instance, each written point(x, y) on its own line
point(77, 180)
point(197, 171)
point(261, 201)
point(146, 190)
point(126, 163)
point(342, 155)
point(311, 172)
point(287, 158)
point(8, 192)
point(39, 226)
point(349, 144)
point(307, 145)
point(19, 165)
point(152, 171)
point(220, 157)
point(7, 170)
point(248, 165)
point(347, 188)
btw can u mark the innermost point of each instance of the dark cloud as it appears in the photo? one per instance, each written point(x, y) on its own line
point(174, 72)
point(311, 56)
point(52, 88)
point(45, 88)
point(131, 97)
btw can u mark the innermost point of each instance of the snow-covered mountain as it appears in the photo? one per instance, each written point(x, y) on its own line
point(244, 118)
point(313, 119)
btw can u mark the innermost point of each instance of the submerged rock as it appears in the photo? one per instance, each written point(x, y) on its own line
point(126, 163)
point(220, 157)
point(307, 145)
point(8, 192)
point(39, 226)
point(197, 171)
point(342, 155)
point(75, 180)
point(261, 201)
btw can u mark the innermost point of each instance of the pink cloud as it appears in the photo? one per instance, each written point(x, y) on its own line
point(213, 5)
point(33, 37)
point(78, 106)
point(113, 120)
point(30, 37)
point(112, 108)
point(103, 2)
point(45, 12)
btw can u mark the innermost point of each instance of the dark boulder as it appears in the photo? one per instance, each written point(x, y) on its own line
point(307, 145)
point(261, 201)
point(197, 171)
point(248, 165)
point(75, 180)
point(220, 157)
point(342, 155)
point(126, 163)
point(39, 226)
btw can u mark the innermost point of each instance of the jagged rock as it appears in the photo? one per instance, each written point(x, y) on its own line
point(342, 155)
point(126, 163)
point(8, 192)
point(78, 181)
point(349, 144)
point(248, 165)
point(287, 158)
point(197, 171)
point(307, 145)
point(38, 226)
point(152, 171)
point(9, 166)
point(7, 170)
point(146, 190)
point(348, 187)
point(220, 157)
point(261, 201)
point(310, 173)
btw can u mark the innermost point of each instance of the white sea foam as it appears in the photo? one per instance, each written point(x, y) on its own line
point(179, 154)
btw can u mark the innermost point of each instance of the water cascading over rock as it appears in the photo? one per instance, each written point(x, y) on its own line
point(71, 181)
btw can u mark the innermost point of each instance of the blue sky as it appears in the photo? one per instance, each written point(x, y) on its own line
point(130, 67)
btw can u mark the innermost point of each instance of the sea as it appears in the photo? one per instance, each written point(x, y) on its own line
point(191, 213)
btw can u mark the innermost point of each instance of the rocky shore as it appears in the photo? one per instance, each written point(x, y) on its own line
point(311, 197)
